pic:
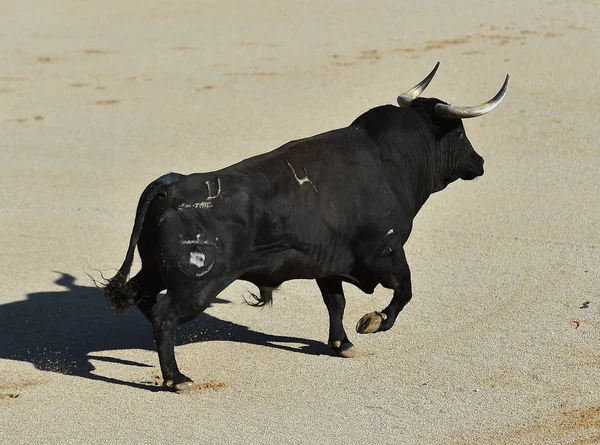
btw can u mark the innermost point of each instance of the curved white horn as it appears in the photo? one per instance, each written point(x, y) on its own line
point(407, 97)
point(451, 112)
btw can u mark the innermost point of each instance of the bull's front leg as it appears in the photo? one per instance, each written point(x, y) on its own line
point(395, 276)
point(333, 296)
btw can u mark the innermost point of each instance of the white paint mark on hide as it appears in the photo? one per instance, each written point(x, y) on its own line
point(197, 259)
point(204, 205)
point(198, 240)
point(302, 180)
point(389, 232)
point(197, 205)
point(211, 197)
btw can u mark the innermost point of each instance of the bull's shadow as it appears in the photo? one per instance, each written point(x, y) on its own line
point(59, 332)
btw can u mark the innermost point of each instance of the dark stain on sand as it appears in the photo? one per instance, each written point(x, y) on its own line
point(13, 79)
point(22, 120)
point(258, 44)
point(8, 390)
point(204, 88)
point(108, 101)
point(95, 51)
point(370, 54)
point(210, 385)
point(440, 44)
point(11, 386)
point(340, 60)
point(583, 422)
point(498, 36)
point(578, 27)
point(342, 63)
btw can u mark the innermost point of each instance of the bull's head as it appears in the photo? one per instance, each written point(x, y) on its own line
point(454, 152)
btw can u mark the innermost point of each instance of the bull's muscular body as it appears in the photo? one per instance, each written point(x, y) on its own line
point(334, 207)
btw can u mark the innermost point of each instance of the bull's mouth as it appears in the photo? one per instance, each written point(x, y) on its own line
point(467, 173)
point(471, 174)
point(472, 171)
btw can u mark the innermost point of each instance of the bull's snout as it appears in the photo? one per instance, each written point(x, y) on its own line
point(480, 163)
point(473, 168)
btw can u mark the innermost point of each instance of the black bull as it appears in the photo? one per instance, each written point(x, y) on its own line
point(334, 207)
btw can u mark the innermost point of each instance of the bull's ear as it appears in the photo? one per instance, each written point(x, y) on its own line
point(453, 112)
point(407, 97)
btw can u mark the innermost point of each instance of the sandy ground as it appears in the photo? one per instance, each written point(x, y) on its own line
point(99, 98)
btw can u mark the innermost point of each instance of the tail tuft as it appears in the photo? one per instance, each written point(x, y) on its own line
point(265, 297)
point(120, 293)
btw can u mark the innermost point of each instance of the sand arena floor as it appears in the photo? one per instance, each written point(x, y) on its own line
point(99, 98)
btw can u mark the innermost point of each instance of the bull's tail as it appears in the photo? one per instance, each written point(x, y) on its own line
point(121, 293)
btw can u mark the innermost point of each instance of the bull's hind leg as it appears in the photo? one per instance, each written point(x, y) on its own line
point(165, 320)
point(179, 306)
point(393, 273)
point(333, 296)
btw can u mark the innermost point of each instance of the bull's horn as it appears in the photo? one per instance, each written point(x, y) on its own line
point(451, 112)
point(407, 97)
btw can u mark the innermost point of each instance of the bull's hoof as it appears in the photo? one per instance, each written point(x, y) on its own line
point(351, 352)
point(185, 386)
point(370, 323)
point(179, 387)
point(346, 350)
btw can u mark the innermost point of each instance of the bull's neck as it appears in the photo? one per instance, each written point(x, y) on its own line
point(420, 176)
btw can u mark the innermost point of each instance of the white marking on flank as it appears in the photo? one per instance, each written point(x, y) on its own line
point(197, 259)
point(196, 205)
point(218, 190)
point(302, 180)
point(389, 232)
point(198, 240)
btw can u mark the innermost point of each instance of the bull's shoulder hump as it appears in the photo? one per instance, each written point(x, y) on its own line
point(388, 120)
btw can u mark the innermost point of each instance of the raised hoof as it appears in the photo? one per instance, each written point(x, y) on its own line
point(178, 387)
point(370, 323)
point(346, 350)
